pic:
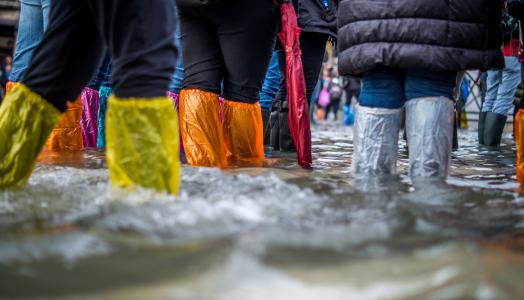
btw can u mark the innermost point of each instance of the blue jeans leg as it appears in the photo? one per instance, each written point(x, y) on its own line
point(34, 17)
point(424, 83)
point(511, 77)
point(493, 80)
point(178, 77)
point(271, 84)
point(383, 88)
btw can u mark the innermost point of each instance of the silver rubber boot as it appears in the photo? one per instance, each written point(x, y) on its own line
point(375, 141)
point(429, 127)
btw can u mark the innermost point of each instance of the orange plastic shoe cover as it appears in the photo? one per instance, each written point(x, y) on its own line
point(519, 139)
point(244, 133)
point(9, 86)
point(201, 128)
point(67, 134)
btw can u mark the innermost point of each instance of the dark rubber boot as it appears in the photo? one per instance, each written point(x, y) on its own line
point(266, 114)
point(274, 129)
point(286, 141)
point(493, 128)
point(482, 119)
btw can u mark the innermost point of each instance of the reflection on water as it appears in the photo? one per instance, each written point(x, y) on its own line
point(273, 233)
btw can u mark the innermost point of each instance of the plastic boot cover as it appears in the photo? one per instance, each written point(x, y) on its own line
point(519, 140)
point(89, 121)
point(26, 120)
point(176, 97)
point(201, 128)
point(67, 134)
point(493, 129)
point(482, 118)
point(9, 87)
point(429, 127)
point(375, 141)
point(243, 133)
point(142, 143)
point(104, 92)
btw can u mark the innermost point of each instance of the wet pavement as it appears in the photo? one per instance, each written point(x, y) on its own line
point(273, 233)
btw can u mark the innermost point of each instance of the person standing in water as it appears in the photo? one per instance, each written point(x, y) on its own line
point(141, 121)
point(408, 53)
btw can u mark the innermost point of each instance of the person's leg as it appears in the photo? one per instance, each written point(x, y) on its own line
point(177, 80)
point(511, 78)
point(68, 56)
point(328, 110)
point(141, 123)
point(30, 33)
point(103, 81)
point(313, 46)
point(377, 122)
point(103, 93)
point(240, 23)
point(429, 122)
point(268, 94)
point(199, 99)
point(271, 84)
point(335, 110)
point(91, 104)
point(58, 70)
point(493, 80)
point(495, 119)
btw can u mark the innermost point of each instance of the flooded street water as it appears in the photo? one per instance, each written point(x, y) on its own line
point(273, 233)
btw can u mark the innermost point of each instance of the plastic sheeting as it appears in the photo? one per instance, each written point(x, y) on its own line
point(519, 140)
point(201, 128)
point(26, 120)
point(243, 133)
point(142, 144)
point(67, 134)
point(375, 141)
point(104, 92)
point(429, 128)
point(89, 121)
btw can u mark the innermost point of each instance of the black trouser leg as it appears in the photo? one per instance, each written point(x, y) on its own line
point(139, 35)
point(230, 42)
point(203, 64)
point(68, 55)
point(313, 46)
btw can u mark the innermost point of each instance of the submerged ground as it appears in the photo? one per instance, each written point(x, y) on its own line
point(272, 233)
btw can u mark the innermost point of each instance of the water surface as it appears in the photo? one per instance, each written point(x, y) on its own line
point(273, 233)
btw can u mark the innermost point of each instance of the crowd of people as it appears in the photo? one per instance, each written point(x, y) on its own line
point(112, 74)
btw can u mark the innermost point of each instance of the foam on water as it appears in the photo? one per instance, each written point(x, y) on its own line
point(281, 233)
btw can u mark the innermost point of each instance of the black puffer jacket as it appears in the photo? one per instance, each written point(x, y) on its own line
point(313, 17)
point(438, 35)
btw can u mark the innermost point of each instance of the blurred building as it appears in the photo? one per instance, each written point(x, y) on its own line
point(9, 11)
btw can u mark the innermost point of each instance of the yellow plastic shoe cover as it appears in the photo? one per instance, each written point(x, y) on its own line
point(10, 86)
point(519, 139)
point(243, 132)
point(201, 128)
point(142, 143)
point(67, 135)
point(26, 120)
